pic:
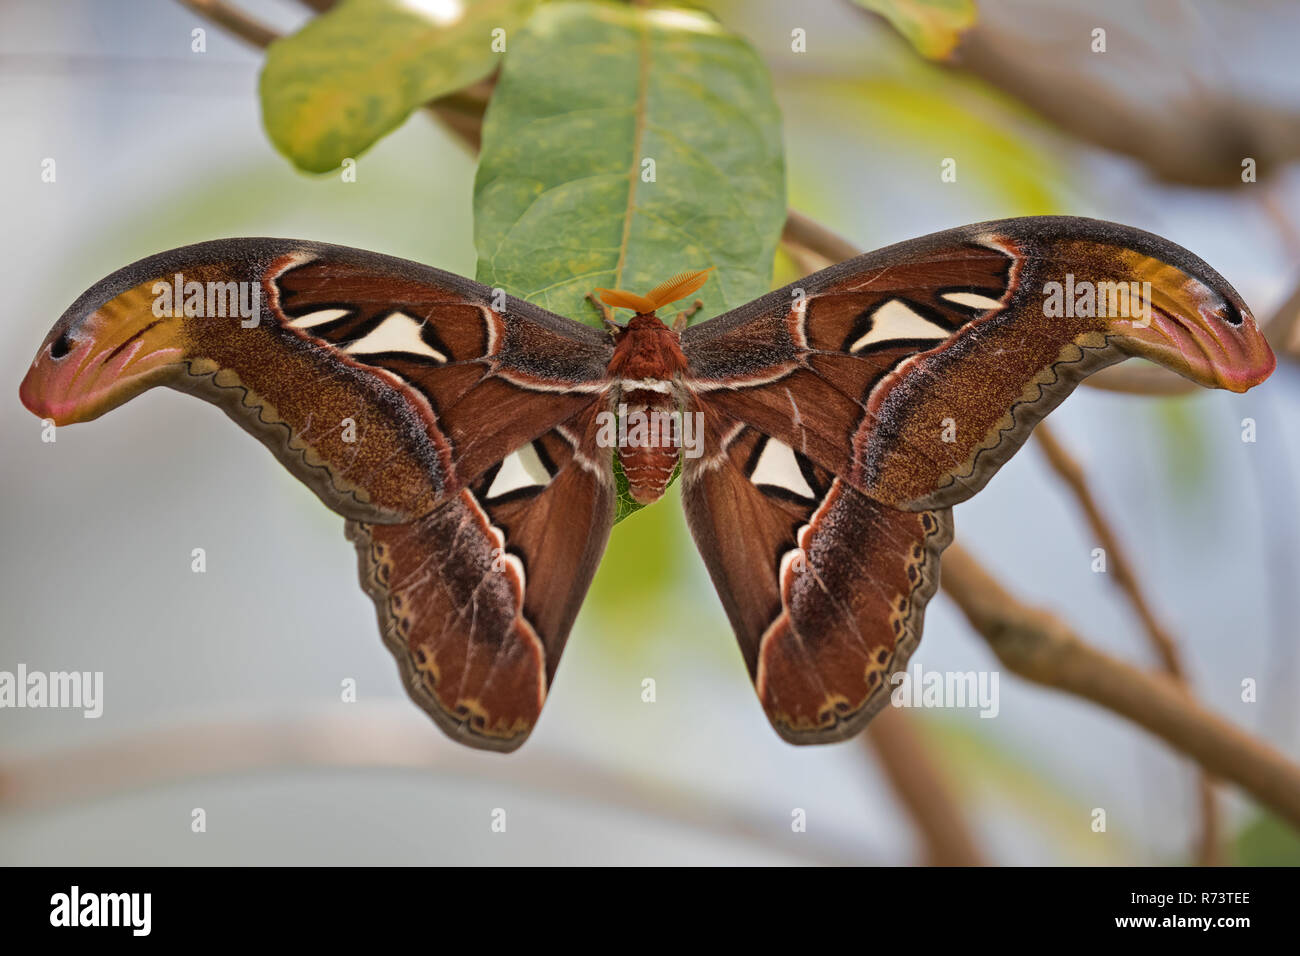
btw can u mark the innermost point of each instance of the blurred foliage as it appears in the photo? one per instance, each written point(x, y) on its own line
point(933, 27)
point(879, 127)
point(357, 72)
point(1184, 448)
point(922, 106)
point(1268, 841)
point(978, 761)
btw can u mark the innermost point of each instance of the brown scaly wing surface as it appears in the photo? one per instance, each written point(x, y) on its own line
point(476, 598)
point(848, 412)
point(448, 423)
point(825, 588)
point(437, 384)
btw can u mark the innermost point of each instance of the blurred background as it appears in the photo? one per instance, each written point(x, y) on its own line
point(222, 689)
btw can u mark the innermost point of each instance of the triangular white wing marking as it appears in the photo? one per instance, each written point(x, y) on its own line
point(778, 467)
point(397, 333)
point(894, 320)
point(522, 468)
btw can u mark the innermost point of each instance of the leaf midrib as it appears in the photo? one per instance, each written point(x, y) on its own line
point(639, 120)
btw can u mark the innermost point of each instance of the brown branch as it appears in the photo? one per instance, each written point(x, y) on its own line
point(1041, 648)
point(904, 756)
point(805, 262)
point(233, 21)
point(1197, 137)
point(1071, 472)
point(809, 234)
point(1139, 377)
point(1283, 329)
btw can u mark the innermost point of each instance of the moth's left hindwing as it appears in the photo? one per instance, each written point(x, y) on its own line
point(447, 422)
point(476, 599)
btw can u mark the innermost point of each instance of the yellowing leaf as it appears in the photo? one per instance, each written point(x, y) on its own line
point(933, 27)
point(353, 74)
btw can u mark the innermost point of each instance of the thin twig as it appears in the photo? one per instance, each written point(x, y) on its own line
point(234, 20)
point(1283, 329)
point(810, 234)
point(904, 756)
point(1069, 470)
point(1140, 378)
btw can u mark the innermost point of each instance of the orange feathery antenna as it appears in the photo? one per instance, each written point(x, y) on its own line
point(678, 287)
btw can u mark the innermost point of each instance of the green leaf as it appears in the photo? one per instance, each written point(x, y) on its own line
point(351, 75)
point(933, 27)
point(589, 93)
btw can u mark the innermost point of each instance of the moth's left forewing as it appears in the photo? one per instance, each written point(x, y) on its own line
point(382, 384)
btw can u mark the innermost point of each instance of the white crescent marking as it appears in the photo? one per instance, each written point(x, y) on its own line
point(972, 300)
point(894, 320)
point(777, 466)
point(646, 384)
point(318, 318)
point(397, 333)
point(522, 468)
